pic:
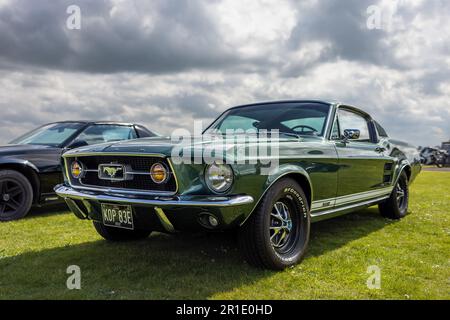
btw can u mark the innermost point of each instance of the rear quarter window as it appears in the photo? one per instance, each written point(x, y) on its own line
point(380, 130)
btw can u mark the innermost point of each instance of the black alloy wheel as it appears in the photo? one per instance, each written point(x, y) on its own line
point(16, 195)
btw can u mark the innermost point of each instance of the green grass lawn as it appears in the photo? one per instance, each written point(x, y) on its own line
point(413, 255)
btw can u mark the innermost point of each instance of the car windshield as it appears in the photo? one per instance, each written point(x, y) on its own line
point(297, 118)
point(54, 134)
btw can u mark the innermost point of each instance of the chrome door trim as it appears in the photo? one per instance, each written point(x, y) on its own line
point(348, 199)
point(349, 207)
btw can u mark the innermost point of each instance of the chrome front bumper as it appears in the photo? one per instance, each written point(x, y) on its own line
point(174, 213)
point(155, 201)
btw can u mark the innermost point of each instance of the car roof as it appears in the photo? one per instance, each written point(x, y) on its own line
point(283, 101)
point(88, 122)
point(329, 103)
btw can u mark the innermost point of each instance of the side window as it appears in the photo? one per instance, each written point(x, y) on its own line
point(305, 125)
point(106, 133)
point(351, 120)
point(233, 122)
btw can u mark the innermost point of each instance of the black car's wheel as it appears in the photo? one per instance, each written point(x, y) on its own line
point(117, 234)
point(16, 195)
point(396, 206)
point(276, 235)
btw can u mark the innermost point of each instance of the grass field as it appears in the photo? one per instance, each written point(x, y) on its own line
point(413, 255)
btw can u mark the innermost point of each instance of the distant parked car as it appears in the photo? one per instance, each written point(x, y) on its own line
point(332, 159)
point(434, 156)
point(30, 166)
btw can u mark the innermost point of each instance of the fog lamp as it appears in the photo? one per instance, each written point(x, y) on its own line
point(213, 221)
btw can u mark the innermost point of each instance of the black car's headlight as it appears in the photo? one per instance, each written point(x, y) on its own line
point(219, 177)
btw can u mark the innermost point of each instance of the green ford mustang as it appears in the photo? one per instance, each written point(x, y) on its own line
point(267, 170)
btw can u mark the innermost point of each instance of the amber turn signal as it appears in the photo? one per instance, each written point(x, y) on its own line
point(77, 170)
point(158, 173)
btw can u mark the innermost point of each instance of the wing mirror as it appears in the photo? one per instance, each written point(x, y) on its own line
point(351, 134)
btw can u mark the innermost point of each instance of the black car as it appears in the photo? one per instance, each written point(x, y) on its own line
point(30, 166)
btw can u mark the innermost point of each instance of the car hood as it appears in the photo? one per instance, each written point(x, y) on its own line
point(159, 145)
point(165, 145)
point(19, 149)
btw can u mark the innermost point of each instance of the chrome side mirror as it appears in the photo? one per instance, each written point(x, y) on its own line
point(352, 134)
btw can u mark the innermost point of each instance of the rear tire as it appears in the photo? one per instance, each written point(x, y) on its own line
point(276, 235)
point(117, 234)
point(396, 206)
point(16, 195)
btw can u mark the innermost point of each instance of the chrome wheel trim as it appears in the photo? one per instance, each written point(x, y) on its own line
point(400, 194)
point(280, 225)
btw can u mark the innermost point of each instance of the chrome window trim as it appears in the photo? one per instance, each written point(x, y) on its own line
point(329, 124)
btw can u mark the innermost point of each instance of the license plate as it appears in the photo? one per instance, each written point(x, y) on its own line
point(119, 216)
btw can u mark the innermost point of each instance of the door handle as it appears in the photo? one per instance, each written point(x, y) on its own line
point(380, 149)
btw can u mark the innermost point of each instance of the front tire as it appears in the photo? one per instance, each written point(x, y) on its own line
point(276, 235)
point(117, 234)
point(396, 206)
point(16, 195)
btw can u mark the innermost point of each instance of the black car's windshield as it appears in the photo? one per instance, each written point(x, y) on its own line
point(299, 118)
point(54, 134)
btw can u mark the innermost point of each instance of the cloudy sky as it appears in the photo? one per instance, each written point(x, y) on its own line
point(165, 63)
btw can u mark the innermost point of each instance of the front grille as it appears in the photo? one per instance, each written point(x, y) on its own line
point(137, 164)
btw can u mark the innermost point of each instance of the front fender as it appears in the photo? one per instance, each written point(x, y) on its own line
point(282, 171)
point(277, 174)
point(20, 162)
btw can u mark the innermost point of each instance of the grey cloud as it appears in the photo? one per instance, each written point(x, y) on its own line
point(199, 105)
point(116, 68)
point(431, 81)
point(181, 36)
point(342, 26)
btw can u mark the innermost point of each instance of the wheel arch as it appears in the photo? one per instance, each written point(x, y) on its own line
point(304, 182)
point(408, 171)
point(403, 167)
point(297, 173)
point(28, 170)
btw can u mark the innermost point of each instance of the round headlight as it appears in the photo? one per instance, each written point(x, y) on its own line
point(219, 177)
point(159, 173)
point(77, 170)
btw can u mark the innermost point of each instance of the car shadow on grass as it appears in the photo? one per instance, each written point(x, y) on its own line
point(181, 266)
point(337, 232)
point(47, 210)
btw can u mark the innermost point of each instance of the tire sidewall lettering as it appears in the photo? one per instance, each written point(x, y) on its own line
point(294, 193)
